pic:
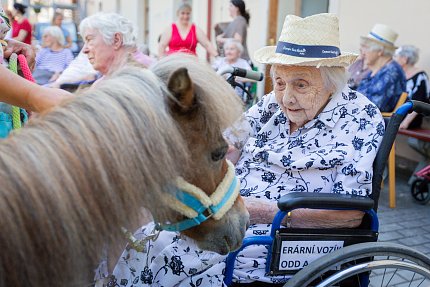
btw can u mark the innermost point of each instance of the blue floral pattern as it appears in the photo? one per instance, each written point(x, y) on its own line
point(385, 87)
point(332, 153)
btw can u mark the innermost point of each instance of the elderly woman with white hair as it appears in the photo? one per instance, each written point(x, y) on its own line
point(233, 50)
point(110, 42)
point(53, 58)
point(417, 83)
point(386, 80)
point(311, 134)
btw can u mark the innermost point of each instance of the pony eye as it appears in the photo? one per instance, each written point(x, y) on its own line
point(219, 153)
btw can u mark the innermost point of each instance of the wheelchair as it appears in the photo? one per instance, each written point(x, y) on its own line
point(348, 257)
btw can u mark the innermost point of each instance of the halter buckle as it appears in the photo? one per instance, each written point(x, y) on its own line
point(208, 213)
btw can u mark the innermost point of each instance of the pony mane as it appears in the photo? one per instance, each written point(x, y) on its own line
point(75, 175)
point(221, 106)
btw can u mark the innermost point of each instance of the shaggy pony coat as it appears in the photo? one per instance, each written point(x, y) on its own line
point(75, 175)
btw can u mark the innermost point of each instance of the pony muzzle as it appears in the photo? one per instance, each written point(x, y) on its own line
point(197, 206)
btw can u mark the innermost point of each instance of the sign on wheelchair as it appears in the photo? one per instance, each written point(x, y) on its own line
point(294, 249)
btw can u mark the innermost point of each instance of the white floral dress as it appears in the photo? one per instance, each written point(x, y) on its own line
point(332, 153)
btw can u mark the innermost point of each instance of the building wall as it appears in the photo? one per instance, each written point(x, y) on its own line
point(408, 18)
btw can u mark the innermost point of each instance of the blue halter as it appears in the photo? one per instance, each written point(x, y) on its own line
point(203, 212)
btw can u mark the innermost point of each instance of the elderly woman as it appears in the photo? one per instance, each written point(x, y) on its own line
point(110, 42)
point(386, 80)
point(53, 58)
point(417, 84)
point(418, 88)
point(311, 134)
point(233, 50)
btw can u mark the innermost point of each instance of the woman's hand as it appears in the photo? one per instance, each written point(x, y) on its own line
point(21, 48)
point(220, 39)
point(408, 120)
point(41, 99)
point(233, 154)
point(54, 77)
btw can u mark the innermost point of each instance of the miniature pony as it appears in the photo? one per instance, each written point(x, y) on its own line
point(74, 176)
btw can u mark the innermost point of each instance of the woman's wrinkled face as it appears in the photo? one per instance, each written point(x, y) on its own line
point(402, 60)
point(370, 56)
point(48, 40)
point(100, 54)
point(300, 92)
point(184, 15)
point(232, 53)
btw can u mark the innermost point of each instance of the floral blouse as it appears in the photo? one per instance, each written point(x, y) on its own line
point(332, 153)
point(384, 88)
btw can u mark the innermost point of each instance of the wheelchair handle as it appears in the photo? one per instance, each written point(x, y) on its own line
point(312, 200)
point(421, 108)
point(244, 73)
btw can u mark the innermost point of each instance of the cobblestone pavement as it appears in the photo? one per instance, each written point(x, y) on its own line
point(407, 224)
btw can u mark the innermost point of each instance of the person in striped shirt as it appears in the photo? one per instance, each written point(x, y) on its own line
point(53, 58)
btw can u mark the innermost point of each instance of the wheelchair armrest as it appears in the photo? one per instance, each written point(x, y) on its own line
point(324, 201)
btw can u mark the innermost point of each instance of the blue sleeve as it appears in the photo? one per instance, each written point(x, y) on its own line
point(385, 88)
point(66, 32)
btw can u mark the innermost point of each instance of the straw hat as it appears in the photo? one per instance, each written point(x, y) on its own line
point(382, 34)
point(310, 41)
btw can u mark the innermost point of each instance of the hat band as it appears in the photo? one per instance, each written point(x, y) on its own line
point(380, 38)
point(307, 51)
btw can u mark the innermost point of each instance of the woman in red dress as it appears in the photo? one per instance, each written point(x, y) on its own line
point(183, 36)
point(21, 27)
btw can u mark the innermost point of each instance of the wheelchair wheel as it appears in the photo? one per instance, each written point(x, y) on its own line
point(420, 190)
point(368, 264)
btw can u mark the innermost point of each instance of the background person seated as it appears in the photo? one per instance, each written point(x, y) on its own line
point(110, 43)
point(417, 87)
point(233, 49)
point(358, 70)
point(310, 134)
point(417, 83)
point(386, 80)
point(79, 70)
point(53, 58)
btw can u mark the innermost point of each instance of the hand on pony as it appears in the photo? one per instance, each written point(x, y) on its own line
point(233, 154)
point(17, 47)
point(20, 92)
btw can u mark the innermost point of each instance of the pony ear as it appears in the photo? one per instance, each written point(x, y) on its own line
point(182, 88)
